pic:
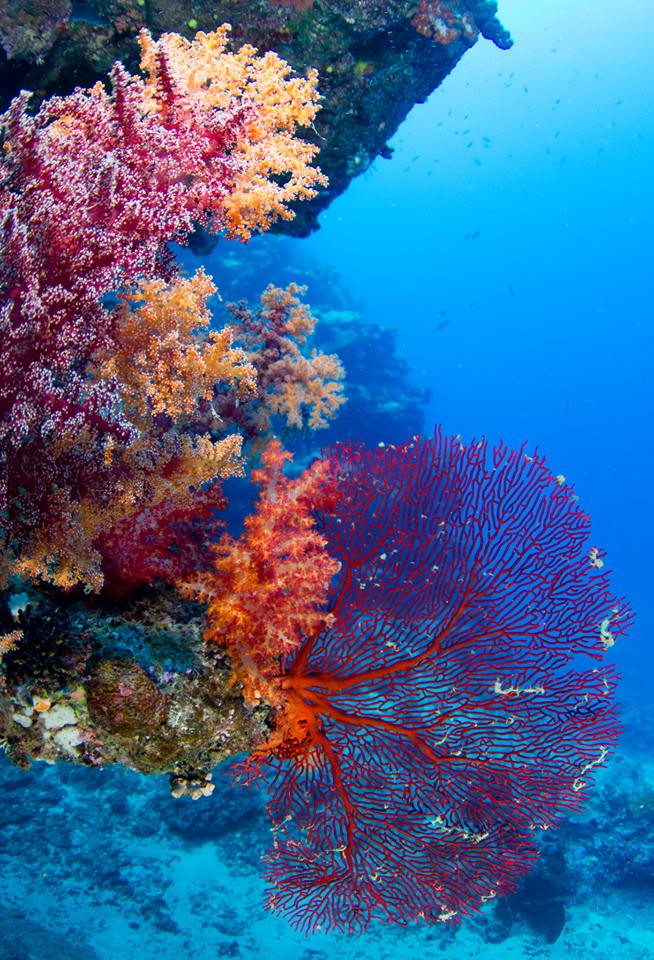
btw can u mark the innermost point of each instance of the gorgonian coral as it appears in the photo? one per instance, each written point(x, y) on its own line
point(445, 712)
point(94, 396)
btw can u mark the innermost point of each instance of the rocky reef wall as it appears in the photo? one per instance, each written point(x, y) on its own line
point(375, 60)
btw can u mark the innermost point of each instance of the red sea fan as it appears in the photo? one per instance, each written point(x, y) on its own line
point(449, 713)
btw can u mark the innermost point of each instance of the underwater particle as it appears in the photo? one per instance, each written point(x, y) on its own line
point(606, 636)
point(595, 558)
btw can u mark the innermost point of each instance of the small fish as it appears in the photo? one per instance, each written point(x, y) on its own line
point(441, 326)
point(511, 290)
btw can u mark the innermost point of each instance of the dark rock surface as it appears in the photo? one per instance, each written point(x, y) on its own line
point(373, 60)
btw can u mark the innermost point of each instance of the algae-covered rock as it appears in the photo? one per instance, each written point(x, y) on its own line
point(124, 701)
point(128, 684)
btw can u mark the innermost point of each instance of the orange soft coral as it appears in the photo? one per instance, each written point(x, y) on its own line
point(304, 389)
point(10, 641)
point(164, 359)
point(154, 469)
point(275, 166)
point(268, 588)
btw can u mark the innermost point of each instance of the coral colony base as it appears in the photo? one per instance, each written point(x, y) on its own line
point(406, 642)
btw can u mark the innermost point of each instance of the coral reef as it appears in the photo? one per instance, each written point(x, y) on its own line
point(375, 60)
point(397, 637)
point(417, 719)
point(93, 398)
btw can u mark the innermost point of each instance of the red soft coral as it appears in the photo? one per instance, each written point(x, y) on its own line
point(267, 590)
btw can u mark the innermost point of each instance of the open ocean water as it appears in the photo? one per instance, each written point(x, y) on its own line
point(508, 242)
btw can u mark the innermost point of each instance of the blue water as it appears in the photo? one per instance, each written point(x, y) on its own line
point(518, 206)
point(508, 242)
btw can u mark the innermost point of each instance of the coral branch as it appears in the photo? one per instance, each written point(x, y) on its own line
point(302, 390)
point(163, 357)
